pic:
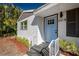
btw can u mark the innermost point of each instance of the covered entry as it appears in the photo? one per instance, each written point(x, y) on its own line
point(50, 28)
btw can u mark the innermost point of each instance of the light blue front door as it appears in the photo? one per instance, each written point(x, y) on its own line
point(50, 28)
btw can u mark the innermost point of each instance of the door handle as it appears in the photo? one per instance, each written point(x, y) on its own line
point(56, 32)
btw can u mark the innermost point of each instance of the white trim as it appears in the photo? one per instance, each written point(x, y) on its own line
point(41, 7)
point(31, 10)
point(45, 7)
point(20, 16)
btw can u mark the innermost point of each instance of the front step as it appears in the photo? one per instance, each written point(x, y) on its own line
point(32, 52)
point(39, 50)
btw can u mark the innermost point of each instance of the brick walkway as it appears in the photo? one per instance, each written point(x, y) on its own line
point(10, 47)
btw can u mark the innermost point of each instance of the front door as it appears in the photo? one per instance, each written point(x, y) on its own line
point(50, 28)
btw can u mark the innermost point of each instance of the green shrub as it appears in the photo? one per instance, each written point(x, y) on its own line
point(69, 46)
point(23, 41)
point(63, 44)
point(74, 48)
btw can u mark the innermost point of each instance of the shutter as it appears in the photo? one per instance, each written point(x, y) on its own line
point(72, 28)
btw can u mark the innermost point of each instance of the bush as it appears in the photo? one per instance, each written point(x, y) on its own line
point(69, 46)
point(24, 41)
point(63, 44)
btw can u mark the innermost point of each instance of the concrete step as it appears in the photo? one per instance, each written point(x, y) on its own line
point(32, 52)
point(45, 51)
point(39, 50)
point(40, 47)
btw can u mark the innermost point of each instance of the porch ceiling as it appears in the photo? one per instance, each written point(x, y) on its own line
point(51, 9)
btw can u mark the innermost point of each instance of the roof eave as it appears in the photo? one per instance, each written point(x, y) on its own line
point(32, 10)
point(46, 6)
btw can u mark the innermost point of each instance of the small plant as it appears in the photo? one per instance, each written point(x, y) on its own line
point(23, 41)
point(69, 46)
point(63, 44)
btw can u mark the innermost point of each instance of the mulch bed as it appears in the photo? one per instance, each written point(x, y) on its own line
point(66, 53)
point(10, 46)
point(22, 48)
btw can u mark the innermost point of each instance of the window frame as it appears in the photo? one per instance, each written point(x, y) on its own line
point(23, 25)
point(72, 19)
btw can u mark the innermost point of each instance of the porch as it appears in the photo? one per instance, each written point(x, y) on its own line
point(61, 10)
point(45, 49)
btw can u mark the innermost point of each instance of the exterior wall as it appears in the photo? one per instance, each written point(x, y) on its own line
point(40, 30)
point(31, 32)
point(34, 31)
point(62, 29)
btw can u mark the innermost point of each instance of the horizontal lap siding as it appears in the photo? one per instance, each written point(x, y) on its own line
point(62, 29)
point(30, 33)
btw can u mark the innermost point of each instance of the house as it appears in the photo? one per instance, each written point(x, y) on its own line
point(49, 22)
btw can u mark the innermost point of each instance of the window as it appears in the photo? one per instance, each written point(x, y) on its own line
point(51, 21)
point(73, 23)
point(24, 25)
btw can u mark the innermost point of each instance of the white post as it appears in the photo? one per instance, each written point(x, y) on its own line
point(51, 48)
point(30, 42)
point(54, 47)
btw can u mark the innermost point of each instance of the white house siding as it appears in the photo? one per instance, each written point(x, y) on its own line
point(56, 9)
point(62, 29)
point(31, 32)
point(34, 31)
point(40, 30)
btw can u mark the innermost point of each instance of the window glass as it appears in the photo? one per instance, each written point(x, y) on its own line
point(72, 28)
point(51, 21)
point(24, 25)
